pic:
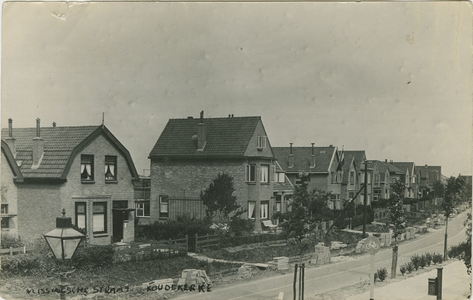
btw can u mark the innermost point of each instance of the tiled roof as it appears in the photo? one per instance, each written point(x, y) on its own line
point(358, 155)
point(394, 169)
point(283, 186)
point(382, 167)
point(303, 158)
point(348, 159)
point(224, 137)
point(58, 145)
point(404, 165)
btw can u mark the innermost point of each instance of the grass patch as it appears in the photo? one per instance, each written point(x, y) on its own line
point(118, 275)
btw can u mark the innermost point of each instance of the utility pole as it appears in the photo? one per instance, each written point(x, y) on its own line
point(365, 199)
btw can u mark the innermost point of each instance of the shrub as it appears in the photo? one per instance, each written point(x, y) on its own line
point(403, 269)
point(409, 267)
point(93, 257)
point(422, 261)
point(10, 241)
point(437, 258)
point(382, 274)
point(415, 259)
point(241, 227)
point(428, 258)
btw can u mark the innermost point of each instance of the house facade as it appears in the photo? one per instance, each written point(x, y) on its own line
point(382, 191)
point(83, 169)
point(191, 152)
point(322, 164)
point(409, 179)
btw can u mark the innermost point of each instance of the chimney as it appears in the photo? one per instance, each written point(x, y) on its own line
point(291, 156)
point(10, 140)
point(54, 124)
point(201, 133)
point(38, 147)
point(313, 156)
point(385, 160)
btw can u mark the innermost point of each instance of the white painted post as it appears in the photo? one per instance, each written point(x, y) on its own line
point(371, 276)
point(281, 296)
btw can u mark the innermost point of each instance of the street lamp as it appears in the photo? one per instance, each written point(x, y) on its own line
point(63, 241)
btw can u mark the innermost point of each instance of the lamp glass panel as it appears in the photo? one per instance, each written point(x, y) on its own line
point(55, 244)
point(70, 247)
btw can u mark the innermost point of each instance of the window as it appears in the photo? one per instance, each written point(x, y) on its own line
point(163, 206)
point(5, 223)
point(4, 210)
point(99, 220)
point(250, 173)
point(110, 168)
point(81, 215)
point(261, 142)
point(278, 205)
point(352, 177)
point(87, 167)
point(251, 209)
point(281, 177)
point(142, 209)
point(264, 210)
point(334, 177)
point(264, 173)
point(369, 178)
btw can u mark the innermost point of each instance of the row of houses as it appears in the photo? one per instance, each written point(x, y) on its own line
point(87, 171)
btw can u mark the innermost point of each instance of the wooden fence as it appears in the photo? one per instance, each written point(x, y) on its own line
point(13, 251)
point(161, 249)
point(207, 242)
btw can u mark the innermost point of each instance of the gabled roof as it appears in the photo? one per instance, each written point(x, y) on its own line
point(348, 160)
point(434, 173)
point(285, 186)
point(61, 145)
point(404, 165)
point(394, 170)
point(225, 137)
point(382, 167)
point(12, 163)
point(358, 155)
point(303, 158)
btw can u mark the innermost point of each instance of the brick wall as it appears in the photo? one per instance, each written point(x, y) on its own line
point(38, 207)
point(39, 204)
point(9, 196)
point(191, 177)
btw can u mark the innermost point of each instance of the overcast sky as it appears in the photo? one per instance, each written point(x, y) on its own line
point(394, 79)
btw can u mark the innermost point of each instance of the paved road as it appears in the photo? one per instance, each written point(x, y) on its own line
point(337, 275)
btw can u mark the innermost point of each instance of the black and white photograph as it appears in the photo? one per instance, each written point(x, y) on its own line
point(236, 150)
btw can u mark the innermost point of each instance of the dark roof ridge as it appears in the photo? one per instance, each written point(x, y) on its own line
point(207, 118)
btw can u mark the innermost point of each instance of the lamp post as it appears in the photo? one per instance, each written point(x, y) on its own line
point(63, 241)
point(365, 197)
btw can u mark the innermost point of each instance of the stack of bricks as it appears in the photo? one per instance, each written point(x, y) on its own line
point(323, 254)
point(282, 263)
point(193, 276)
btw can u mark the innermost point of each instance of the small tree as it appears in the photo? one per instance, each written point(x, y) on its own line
point(453, 192)
point(221, 205)
point(397, 219)
point(439, 189)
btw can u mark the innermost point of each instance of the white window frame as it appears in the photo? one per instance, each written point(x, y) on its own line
point(163, 203)
point(261, 141)
point(251, 209)
point(281, 177)
point(81, 217)
point(250, 170)
point(264, 210)
point(141, 206)
point(95, 220)
point(264, 174)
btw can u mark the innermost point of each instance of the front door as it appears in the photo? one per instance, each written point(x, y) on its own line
point(120, 214)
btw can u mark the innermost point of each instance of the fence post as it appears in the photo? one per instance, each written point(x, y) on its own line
point(11, 251)
point(24, 249)
point(303, 277)
point(169, 247)
point(187, 244)
point(294, 282)
point(300, 281)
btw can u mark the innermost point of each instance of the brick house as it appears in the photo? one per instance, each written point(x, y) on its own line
point(83, 169)
point(191, 152)
point(381, 191)
point(283, 189)
point(359, 159)
point(409, 179)
point(322, 164)
point(142, 196)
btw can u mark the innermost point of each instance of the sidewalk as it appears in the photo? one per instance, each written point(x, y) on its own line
point(456, 285)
